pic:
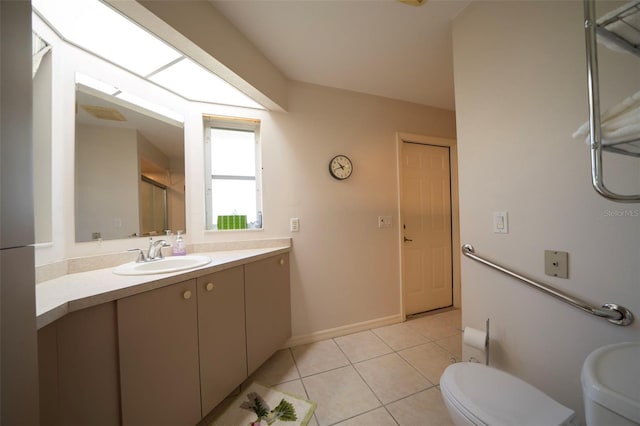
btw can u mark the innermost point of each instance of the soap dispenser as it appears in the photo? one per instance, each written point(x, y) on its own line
point(179, 246)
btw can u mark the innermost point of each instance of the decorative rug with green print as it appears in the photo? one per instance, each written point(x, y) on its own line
point(259, 405)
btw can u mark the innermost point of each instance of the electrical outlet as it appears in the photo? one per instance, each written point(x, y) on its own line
point(294, 224)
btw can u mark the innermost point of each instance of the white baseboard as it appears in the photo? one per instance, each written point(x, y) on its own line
point(330, 333)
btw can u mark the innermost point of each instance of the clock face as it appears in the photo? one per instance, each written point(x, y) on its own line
point(340, 167)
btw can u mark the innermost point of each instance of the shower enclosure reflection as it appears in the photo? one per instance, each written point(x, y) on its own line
point(129, 169)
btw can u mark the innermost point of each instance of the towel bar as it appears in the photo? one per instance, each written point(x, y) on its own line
point(593, 87)
point(613, 313)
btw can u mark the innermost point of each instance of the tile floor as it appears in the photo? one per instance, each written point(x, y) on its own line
point(383, 376)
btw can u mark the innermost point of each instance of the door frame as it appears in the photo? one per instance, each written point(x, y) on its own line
point(401, 138)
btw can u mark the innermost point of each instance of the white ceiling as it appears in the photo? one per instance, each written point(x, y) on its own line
point(379, 47)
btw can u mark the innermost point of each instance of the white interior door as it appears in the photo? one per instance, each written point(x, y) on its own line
point(426, 211)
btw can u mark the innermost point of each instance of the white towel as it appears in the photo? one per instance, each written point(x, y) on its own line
point(625, 26)
point(619, 123)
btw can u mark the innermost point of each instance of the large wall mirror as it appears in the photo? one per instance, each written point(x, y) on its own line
point(129, 167)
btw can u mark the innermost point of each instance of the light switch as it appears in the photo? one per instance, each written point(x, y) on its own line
point(384, 222)
point(556, 263)
point(500, 223)
point(294, 224)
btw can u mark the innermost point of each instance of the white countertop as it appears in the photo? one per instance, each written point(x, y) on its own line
point(57, 297)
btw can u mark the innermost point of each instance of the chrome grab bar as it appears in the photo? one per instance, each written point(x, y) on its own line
point(613, 313)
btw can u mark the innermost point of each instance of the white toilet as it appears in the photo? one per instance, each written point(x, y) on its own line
point(476, 394)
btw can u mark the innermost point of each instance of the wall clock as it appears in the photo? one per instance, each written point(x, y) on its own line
point(340, 167)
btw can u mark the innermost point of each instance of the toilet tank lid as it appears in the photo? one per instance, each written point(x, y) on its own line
point(498, 398)
point(611, 377)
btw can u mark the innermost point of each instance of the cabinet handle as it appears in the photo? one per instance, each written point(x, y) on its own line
point(187, 294)
point(209, 286)
point(282, 261)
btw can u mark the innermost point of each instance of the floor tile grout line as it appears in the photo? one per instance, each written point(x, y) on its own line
point(455, 356)
point(325, 371)
point(375, 335)
point(392, 416)
point(383, 404)
point(436, 385)
point(361, 378)
point(435, 339)
point(421, 334)
point(412, 394)
point(394, 349)
point(373, 357)
point(416, 369)
point(362, 414)
point(306, 392)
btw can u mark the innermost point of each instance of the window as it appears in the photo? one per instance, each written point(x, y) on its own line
point(232, 166)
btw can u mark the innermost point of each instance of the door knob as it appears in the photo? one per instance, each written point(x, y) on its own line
point(209, 286)
point(187, 294)
point(407, 240)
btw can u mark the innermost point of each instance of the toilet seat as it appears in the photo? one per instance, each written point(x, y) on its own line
point(487, 396)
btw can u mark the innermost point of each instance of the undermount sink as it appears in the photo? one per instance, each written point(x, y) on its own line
point(162, 266)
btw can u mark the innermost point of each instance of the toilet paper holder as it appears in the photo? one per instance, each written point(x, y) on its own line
point(487, 340)
point(478, 340)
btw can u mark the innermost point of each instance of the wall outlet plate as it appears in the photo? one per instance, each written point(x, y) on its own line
point(556, 263)
point(384, 222)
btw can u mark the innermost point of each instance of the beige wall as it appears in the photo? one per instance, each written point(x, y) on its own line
point(345, 269)
point(106, 188)
point(520, 81)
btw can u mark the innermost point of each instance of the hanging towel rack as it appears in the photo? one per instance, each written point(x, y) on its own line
point(592, 29)
point(613, 313)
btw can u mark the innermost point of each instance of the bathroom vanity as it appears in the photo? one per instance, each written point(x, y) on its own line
point(160, 349)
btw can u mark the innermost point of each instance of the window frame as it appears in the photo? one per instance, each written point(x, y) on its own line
point(235, 124)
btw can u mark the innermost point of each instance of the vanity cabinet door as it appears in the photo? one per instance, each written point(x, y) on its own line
point(268, 308)
point(48, 375)
point(221, 330)
point(78, 361)
point(158, 345)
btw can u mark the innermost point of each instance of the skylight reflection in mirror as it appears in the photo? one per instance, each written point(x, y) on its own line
point(96, 84)
point(97, 28)
point(136, 100)
point(84, 80)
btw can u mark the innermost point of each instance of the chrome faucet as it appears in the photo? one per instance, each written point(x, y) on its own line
point(154, 252)
point(155, 249)
point(141, 257)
